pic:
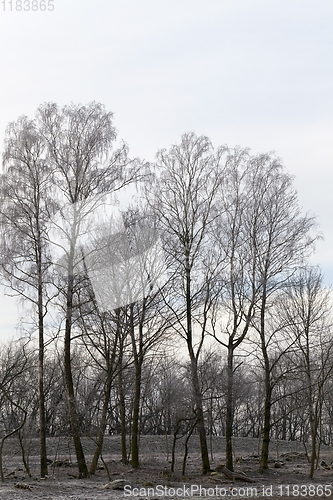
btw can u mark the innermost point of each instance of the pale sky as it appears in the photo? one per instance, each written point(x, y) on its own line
point(254, 73)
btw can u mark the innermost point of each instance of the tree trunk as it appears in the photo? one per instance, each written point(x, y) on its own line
point(194, 374)
point(122, 410)
point(110, 362)
point(41, 396)
point(268, 385)
point(267, 425)
point(138, 360)
point(284, 426)
point(313, 452)
point(81, 462)
point(136, 414)
point(314, 421)
point(102, 425)
point(200, 416)
point(229, 410)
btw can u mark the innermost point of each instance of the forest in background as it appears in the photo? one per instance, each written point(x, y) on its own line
point(193, 309)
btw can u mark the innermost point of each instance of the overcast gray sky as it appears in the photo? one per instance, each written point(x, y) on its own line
point(253, 73)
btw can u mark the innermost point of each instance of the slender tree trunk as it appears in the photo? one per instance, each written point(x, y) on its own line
point(124, 459)
point(211, 426)
point(268, 385)
point(313, 449)
point(284, 426)
point(102, 425)
point(110, 363)
point(173, 451)
point(136, 415)
point(267, 424)
point(81, 462)
point(138, 360)
point(313, 421)
point(229, 410)
point(186, 448)
point(194, 374)
point(200, 416)
point(25, 459)
point(41, 395)
point(310, 396)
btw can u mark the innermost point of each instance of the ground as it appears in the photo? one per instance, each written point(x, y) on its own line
point(286, 478)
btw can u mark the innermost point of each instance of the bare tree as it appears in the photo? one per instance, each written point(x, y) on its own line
point(235, 232)
point(79, 140)
point(183, 200)
point(123, 360)
point(307, 307)
point(282, 241)
point(15, 361)
point(125, 273)
point(149, 318)
point(26, 207)
point(101, 336)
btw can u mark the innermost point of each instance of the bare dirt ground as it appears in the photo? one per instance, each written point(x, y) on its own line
point(287, 477)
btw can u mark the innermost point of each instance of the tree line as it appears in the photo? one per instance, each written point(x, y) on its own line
point(193, 308)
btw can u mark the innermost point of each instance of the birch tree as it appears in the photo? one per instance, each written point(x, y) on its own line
point(235, 232)
point(26, 207)
point(306, 309)
point(79, 141)
point(183, 200)
point(283, 241)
